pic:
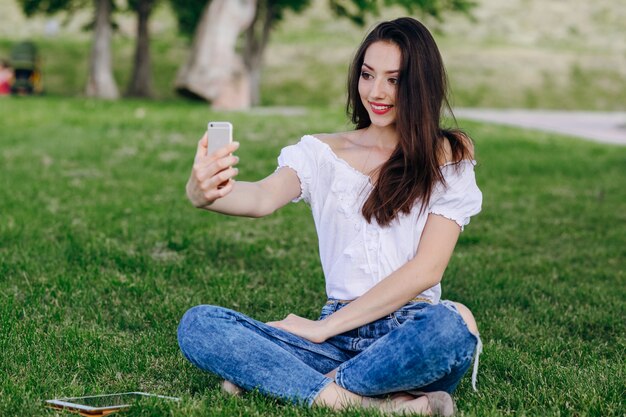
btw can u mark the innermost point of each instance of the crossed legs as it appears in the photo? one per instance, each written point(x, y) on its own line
point(254, 355)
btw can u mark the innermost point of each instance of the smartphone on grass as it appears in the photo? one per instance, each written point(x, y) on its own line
point(101, 405)
point(219, 135)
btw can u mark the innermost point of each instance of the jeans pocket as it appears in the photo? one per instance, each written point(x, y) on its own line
point(378, 328)
point(327, 310)
point(408, 312)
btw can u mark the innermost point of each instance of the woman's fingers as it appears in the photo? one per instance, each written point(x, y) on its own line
point(212, 175)
point(225, 162)
point(312, 330)
point(218, 179)
point(224, 151)
point(202, 147)
point(205, 170)
point(216, 193)
point(201, 150)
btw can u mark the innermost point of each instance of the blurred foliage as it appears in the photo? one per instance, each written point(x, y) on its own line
point(358, 10)
point(188, 12)
point(32, 7)
point(50, 7)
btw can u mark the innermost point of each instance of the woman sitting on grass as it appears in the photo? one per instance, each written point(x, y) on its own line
point(389, 200)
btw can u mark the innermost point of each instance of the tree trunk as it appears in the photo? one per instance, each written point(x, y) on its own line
point(141, 80)
point(101, 83)
point(213, 71)
point(257, 37)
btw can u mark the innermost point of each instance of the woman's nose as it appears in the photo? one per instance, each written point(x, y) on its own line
point(377, 90)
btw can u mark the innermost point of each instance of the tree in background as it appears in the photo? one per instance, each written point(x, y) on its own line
point(266, 16)
point(140, 84)
point(200, 76)
point(100, 80)
point(214, 71)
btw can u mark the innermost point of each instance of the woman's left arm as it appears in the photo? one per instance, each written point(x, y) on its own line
point(424, 271)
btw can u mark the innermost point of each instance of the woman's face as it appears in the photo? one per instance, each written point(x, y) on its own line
point(378, 82)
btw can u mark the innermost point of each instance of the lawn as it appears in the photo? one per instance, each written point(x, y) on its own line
point(101, 254)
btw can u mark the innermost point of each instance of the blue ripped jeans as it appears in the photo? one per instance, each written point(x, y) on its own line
point(421, 346)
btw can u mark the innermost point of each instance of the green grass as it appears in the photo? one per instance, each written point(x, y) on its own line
point(101, 254)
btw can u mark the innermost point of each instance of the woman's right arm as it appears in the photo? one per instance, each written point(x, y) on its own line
point(211, 185)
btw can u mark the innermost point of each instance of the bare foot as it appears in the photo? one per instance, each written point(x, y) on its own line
point(338, 398)
point(403, 403)
point(400, 403)
point(230, 388)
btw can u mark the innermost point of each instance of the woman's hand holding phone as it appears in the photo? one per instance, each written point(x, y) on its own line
point(212, 176)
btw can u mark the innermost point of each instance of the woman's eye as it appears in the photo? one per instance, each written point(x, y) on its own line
point(366, 75)
point(393, 81)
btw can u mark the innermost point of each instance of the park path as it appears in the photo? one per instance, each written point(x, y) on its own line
point(604, 127)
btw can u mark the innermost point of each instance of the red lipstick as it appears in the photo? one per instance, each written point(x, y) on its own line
point(380, 108)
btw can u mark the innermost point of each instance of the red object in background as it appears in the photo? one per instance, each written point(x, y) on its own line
point(6, 79)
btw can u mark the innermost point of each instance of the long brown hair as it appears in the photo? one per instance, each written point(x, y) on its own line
point(413, 169)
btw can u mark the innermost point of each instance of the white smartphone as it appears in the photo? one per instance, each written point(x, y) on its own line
point(220, 134)
point(100, 405)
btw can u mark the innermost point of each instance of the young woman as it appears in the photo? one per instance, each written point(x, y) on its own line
point(389, 200)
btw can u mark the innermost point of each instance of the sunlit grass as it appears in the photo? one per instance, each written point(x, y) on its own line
point(101, 254)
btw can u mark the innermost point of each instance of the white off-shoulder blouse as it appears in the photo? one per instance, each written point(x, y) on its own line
point(355, 254)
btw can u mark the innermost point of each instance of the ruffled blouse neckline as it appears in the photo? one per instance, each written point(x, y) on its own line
point(341, 160)
point(363, 175)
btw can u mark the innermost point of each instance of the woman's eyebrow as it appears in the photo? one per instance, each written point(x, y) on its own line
point(386, 72)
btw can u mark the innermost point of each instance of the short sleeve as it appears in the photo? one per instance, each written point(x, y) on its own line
point(301, 157)
point(460, 198)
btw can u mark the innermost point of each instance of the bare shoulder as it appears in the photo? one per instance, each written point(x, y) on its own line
point(447, 154)
point(337, 141)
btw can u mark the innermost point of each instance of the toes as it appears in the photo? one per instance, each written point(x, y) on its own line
point(230, 388)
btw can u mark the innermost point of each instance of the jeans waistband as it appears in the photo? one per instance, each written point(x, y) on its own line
point(332, 301)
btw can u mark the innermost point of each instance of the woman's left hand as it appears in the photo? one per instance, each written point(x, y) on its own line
point(312, 330)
